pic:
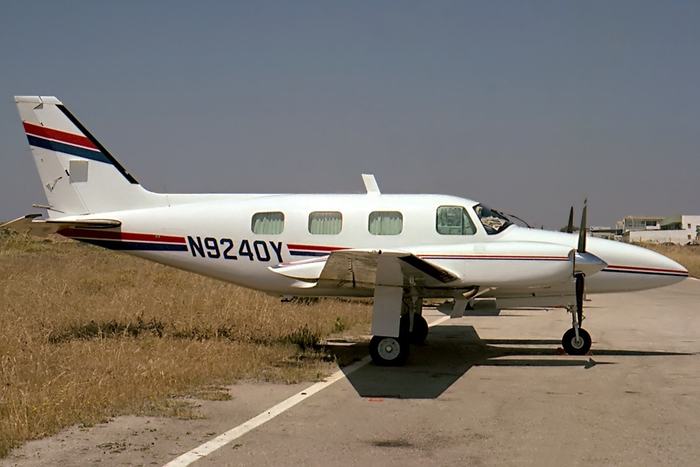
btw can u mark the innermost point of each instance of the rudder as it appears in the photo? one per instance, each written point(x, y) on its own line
point(78, 174)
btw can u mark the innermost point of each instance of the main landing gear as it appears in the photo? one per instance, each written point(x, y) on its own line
point(419, 333)
point(394, 351)
point(389, 351)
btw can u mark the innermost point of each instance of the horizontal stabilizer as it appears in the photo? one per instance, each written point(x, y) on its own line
point(30, 225)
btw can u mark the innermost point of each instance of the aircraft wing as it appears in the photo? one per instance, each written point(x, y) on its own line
point(30, 225)
point(367, 269)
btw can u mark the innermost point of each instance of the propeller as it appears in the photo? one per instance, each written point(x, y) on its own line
point(570, 225)
point(585, 264)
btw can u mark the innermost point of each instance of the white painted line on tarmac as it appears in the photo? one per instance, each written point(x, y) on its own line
point(234, 433)
point(225, 438)
point(438, 321)
point(694, 278)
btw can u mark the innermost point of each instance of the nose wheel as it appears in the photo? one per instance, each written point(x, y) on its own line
point(577, 341)
point(576, 345)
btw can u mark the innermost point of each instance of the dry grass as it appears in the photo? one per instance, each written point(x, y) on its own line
point(688, 256)
point(87, 334)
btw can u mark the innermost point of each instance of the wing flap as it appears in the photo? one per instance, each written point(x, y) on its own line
point(367, 269)
point(306, 271)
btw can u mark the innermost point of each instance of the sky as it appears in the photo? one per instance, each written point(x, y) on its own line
point(528, 107)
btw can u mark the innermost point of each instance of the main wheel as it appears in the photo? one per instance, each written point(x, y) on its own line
point(389, 351)
point(574, 346)
point(420, 328)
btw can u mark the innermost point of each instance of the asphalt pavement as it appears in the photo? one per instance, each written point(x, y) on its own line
point(483, 390)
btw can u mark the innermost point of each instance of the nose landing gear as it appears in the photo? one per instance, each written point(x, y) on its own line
point(577, 341)
point(574, 345)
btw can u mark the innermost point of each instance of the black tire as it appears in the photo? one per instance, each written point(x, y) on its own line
point(389, 351)
point(420, 329)
point(572, 347)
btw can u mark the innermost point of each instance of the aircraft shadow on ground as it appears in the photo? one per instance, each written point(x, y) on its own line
point(451, 351)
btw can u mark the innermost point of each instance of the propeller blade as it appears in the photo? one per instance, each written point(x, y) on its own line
point(580, 277)
point(582, 232)
point(570, 225)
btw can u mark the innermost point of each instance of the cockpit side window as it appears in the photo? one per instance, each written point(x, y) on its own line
point(493, 221)
point(453, 220)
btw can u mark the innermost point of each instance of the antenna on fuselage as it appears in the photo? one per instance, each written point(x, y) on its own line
point(371, 184)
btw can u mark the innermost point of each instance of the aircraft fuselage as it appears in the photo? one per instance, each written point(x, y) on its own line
point(214, 235)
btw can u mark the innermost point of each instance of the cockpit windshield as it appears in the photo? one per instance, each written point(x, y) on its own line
point(493, 221)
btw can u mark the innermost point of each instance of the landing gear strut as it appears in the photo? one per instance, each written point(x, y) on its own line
point(577, 341)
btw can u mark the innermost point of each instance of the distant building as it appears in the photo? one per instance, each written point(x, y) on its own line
point(682, 222)
point(680, 229)
point(637, 223)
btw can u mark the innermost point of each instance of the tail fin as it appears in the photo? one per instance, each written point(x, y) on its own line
point(79, 175)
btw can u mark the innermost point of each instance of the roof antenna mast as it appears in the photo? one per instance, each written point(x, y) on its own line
point(371, 184)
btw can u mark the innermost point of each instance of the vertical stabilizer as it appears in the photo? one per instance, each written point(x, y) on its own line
point(78, 174)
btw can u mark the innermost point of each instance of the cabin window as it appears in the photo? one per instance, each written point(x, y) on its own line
point(385, 223)
point(453, 220)
point(268, 223)
point(325, 223)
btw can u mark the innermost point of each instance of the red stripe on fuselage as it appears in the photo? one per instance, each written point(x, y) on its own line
point(315, 247)
point(552, 258)
point(640, 269)
point(112, 235)
point(57, 135)
point(328, 249)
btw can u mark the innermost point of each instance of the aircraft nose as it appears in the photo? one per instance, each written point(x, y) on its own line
point(648, 268)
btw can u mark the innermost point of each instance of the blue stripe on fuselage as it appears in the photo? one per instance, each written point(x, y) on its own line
point(308, 253)
point(135, 246)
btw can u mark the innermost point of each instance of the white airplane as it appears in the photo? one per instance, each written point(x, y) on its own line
point(399, 249)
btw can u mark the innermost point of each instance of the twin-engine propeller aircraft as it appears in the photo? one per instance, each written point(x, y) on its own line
point(399, 249)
